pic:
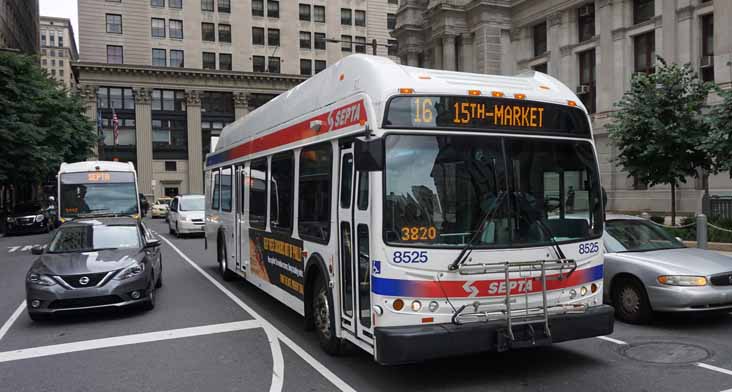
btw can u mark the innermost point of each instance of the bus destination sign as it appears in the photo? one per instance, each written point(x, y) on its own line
point(98, 177)
point(485, 113)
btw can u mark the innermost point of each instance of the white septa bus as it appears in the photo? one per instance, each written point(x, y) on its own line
point(97, 188)
point(416, 213)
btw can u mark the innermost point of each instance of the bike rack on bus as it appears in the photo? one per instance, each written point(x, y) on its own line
point(503, 308)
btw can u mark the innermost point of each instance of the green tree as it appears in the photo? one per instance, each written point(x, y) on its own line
point(41, 125)
point(658, 127)
point(719, 141)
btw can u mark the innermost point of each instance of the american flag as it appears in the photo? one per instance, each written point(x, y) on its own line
point(115, 125)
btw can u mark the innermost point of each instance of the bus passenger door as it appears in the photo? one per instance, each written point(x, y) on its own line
point(353, 252)
point(238, 208)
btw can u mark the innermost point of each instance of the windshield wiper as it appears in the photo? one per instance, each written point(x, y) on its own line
point(545, 228)
point(465, 252)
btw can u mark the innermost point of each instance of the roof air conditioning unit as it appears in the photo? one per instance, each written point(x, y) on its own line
point(707, 61)
point(583, 89)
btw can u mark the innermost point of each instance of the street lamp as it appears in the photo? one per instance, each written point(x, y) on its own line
point(373, 44)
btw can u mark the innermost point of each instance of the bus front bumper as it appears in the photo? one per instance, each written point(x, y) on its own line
point(398, 345)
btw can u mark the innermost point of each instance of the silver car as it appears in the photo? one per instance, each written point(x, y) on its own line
point(647, 269)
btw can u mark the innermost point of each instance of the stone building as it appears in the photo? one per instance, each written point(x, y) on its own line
point(592, 46)
point(58, 50)
point(19, 25)
point(175, 72)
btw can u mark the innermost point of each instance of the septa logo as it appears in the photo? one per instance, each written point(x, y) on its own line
point(346, 116)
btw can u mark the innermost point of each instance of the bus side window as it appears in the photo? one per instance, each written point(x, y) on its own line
point(282, 191)
point(363, 191)
point(258, 194)
point(226, 189)
point(315, 180)
point(216, 193)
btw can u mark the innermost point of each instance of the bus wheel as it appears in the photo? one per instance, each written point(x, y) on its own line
point(226, 273)
point(323, 318)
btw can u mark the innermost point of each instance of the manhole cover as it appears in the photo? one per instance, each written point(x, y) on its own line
point(667, 353)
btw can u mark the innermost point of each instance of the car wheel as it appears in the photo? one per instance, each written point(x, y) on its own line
point(631, 302)
point(170, 229)
point(323, 318)
point(226, 273)
point(177, 230)
point(159, 282)
point(150, 303)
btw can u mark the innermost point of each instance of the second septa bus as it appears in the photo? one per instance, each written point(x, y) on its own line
point(416, 213)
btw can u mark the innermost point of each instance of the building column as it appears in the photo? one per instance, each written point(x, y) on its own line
point(437, 54)
point(554, 43)
point(723, 42)
point(241, 105)
point(195, 152)
point(448, 53)
point(467, 53)
point(88, 95)
point(605, 61)
point(413, 59)
point(143, 134)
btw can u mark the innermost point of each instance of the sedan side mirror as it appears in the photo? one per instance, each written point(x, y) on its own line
point(153, 243)
point(37, 250)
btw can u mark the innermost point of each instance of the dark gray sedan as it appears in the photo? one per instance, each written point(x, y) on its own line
point(101, 262)
point(647, 269)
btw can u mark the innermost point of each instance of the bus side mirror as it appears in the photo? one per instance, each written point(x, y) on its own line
point(369, 154)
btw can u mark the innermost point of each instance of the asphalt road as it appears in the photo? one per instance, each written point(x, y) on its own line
point(206, 334)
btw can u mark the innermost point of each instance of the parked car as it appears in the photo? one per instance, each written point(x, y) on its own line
point(186, 215)
point(160, 207)
point(647, 269)
point(105, 262)
point(30, 217)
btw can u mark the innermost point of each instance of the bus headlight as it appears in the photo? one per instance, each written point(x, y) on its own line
point(433, 306)
point(583, 291)
point(572, 294)
point(416, 306)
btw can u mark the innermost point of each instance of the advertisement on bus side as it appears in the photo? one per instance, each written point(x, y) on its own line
point(277, 259)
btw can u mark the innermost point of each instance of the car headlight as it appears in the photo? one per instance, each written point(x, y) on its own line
point(131, 271)
point(682, 280)
point(40, 279)
point(9, 219)
point(39, 218)
point(184, 218)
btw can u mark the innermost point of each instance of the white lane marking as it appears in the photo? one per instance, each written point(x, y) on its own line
point(12, 249)
point(714, 368)
point(6, 327)
point(611, 340)
point(116, 341)
point(727, 390)
point(27, 248)
point(324, 371)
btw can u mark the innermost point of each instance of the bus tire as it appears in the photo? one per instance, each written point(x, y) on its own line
point(226, 273)
point(323, 318)
point(631, 301)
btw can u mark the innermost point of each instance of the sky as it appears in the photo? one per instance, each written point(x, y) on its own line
point(62, 9)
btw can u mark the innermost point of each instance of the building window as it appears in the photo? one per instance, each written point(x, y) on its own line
point(645, 52)
point(176, 29)
point(60, 63)
point(281, 202)
point(273, 9)
point(225, 6)
point(306, 67)
point(319, 13)
point(115, 98)
point(114, 25)
point(707, 52)
point(346, 17)
point(586, 22)
point(61, 38)
point(53, 72)
point(52, 39)
point(157, 27)
point(257, 7)
point(315, 192)
point(639, 185)
point(157, 3)
point(539, 39)
point(258, 35)
point(176, 58)
point(320, 41)
point(273, 65)
point(114, 54)
point(175, 4)
point(53, 62)
point(43, 37)
point(169, 137)
point(167, 100)
point(209, 60)
point(305, 40)
point(61, 73)
point(207, 5)
point(158, 58)
point(171, 166)
point(586, 88)
point(208, 32)
point(258, 63)
point(643, 10)
point(273, 37)
point(258, 194)
point(360, 44)
point(346, 44)
point(543, 68)
point(360, 18)
point(224, 32)
point(319, 65)
point(225, 61)
point(305, 12)
point(391, 21)
point(393, 47)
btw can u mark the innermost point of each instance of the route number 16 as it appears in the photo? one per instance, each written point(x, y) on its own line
point(423, 110)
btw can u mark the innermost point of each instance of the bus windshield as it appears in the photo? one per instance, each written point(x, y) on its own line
point(92, 193)
point(439, 189)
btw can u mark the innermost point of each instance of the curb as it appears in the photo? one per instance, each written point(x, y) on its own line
point(720, 246)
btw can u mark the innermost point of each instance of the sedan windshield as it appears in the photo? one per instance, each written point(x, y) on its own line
point(635, 235)
point(90, 237)
point(192, 204)
point(440, 188)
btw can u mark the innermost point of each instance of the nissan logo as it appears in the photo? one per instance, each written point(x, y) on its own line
point(83, 280)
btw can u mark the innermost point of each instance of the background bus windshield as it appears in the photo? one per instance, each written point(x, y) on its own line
point(439, 189)
point(89, 193)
